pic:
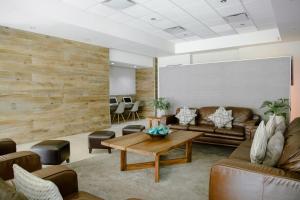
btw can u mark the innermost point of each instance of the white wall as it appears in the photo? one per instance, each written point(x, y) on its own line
point(244, 83)
point(130, 58)
point(121, 81)
point(262, 51)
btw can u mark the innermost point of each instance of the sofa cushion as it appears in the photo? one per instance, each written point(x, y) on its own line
point(242, 152)
point(290, 157)
point(224, 136)
point(235, 130)
point(240, 115)
point(203, 128)
point(178, 126)
point(259, 144)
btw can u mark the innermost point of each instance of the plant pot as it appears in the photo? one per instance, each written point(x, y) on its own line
point(160, 113)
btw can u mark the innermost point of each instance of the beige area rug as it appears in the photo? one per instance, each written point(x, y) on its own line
point(101, 176)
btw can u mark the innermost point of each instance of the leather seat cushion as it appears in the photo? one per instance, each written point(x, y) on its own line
point(220, 135)
point(82, 196)
point(51, 144)
point(132, 129)
point(52, 152)
point(235, 131)
point(202, 128)
point(102, 135)
point(178, 127)
point(242, 152)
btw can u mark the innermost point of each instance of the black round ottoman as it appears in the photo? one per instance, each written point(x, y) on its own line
point(53, 152)
point(132, 129)
point(96, 137)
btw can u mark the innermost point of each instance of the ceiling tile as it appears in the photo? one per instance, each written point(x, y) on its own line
point(82, 4)
point(221, 28)
point(137, 11)
point(102, 10)
point(120, 17)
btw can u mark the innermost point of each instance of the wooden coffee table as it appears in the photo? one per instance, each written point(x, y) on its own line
point(144, 144)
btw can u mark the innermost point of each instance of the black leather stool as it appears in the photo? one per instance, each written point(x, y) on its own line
point(53, 152)
point(97, 137)
point(132, 129)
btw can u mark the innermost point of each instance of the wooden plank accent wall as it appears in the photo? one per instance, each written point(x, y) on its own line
point(145, 89)
point(51, 87)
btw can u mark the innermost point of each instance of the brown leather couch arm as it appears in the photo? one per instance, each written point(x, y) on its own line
point(25, 159)
point(7, 146)
point(169, 119)
point(232, 179)
point(63, 177)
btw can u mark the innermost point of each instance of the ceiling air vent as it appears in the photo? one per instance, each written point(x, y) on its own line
point(118, 4)
point(237, 18)
point(175, 30)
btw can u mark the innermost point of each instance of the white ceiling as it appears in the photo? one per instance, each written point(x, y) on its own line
point(201, 18)
point(133, 29)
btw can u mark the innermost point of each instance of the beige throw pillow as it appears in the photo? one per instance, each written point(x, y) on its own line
point(33, 187)
point(221, 118)
point(259, 144)
point(186, 116)
point(274, 148)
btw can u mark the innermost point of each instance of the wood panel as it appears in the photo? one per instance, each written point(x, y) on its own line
point(51, 87)
point(145, 89)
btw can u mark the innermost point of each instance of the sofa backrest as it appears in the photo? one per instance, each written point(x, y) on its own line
point(204, 112)
point(290, 157)
point(240, 114)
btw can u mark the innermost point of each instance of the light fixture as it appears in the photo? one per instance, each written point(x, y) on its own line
point(112, 63)
point(118, 4)
point(134, 66)
point(237, 18)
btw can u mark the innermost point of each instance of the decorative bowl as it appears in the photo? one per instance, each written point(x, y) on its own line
point(158, 131)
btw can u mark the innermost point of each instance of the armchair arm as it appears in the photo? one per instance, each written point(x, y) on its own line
point(26, 159)
point(7, 146)
point(235, 179)
point(63, 177)
point(168, 119)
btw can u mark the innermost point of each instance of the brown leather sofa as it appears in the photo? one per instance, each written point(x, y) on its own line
point(236, 178)
point(244, 121)
point(8, 156)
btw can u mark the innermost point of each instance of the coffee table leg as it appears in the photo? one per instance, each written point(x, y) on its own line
point(157, 158)
point(123, 160)
point(188, 151)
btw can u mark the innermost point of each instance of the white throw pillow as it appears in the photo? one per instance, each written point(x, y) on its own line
point(274, 148)
point(259, 144)
point(221, 118)
point(271, 126)
point(34, 188)
point(186, 116)
point(280, 123)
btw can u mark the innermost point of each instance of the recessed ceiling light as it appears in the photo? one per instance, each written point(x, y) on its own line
point(242, 24)
point(153, 19)
point(118, 4)
point(223, 1)
point(134, 66)
point(112, 63)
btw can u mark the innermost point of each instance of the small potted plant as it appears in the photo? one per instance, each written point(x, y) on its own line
point(161, 105)
point(279, 107)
